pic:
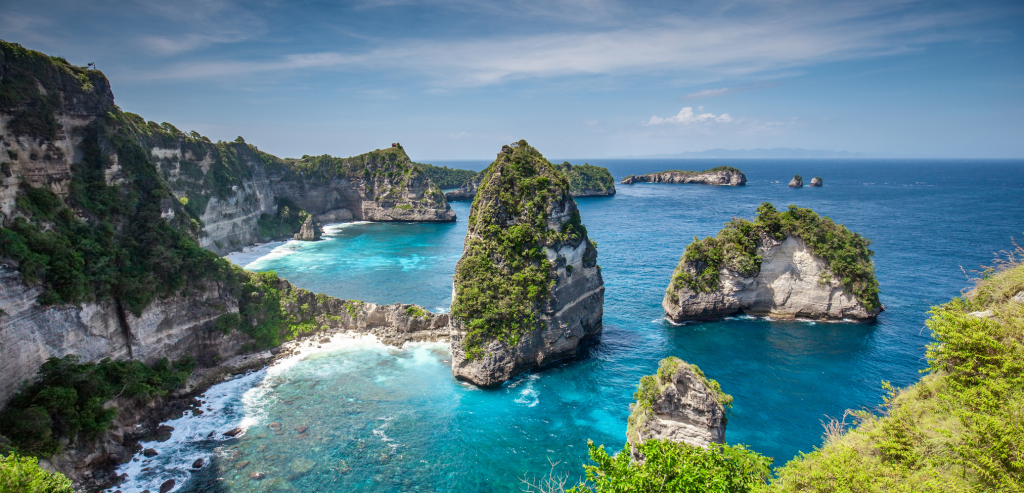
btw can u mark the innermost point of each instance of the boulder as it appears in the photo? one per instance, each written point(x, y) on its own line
point(678, 404)
point(310, 231)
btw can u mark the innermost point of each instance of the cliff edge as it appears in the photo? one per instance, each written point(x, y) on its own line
point(784, 264)
point(721, 175)
point(678, 404)
point(527, 289)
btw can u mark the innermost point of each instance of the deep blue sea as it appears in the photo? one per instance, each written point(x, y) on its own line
point(394, 420)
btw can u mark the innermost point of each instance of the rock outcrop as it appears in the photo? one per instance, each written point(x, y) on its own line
point(310, 231)
point(678, 404)
point(721, 175)
point(584, 181)
point(766, 268)
point(527, 290)
point(796, 182)
point(816, 182)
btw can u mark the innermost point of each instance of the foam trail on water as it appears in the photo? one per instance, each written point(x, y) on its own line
point(237, 403)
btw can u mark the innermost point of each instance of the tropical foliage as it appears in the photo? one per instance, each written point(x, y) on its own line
point(445, 177)
point(19, 474)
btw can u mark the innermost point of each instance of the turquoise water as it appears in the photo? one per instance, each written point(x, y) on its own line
point(386, 419)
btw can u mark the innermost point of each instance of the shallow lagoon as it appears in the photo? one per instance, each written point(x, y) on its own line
point(387, 419)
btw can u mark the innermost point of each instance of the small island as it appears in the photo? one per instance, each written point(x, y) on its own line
point(720, 175)
point(791, 264)
point(796, 182)
point(584, 181)
point(527, 289)
point(816, 181)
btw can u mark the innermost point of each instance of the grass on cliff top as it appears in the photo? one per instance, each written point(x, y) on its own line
point(735, 248)
point(959, 429)
point(587, 177)
point(504, 276)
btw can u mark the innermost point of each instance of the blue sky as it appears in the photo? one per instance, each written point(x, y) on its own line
point(577, 78)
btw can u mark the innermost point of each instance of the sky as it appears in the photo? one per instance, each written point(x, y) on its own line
point(575, 78)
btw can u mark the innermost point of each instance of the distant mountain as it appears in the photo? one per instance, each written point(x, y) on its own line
point(779, 152)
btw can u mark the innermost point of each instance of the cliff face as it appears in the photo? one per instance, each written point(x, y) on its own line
point(678, 404)
point(722, 175)
point(784, 265)
point(792, 283)
point(467, 191)
point(382, 185)
point(528, 289)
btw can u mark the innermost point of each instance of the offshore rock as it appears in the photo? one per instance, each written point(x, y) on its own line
point(311, 230)
point(816, 182)
point(678, 404)
point(792, 283)
point(796, 182)
point(572, 308)
point(723, 175)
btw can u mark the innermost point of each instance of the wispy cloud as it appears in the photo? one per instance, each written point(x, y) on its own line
point(710, 93)
point(720, 45)
point(686, 116)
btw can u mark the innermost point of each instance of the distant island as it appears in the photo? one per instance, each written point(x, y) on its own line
point(774, 153)
point(719, 175)
point(584, 181)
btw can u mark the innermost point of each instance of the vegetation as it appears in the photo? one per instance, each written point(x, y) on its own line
point(504, 276)
point(672, 467)
point(68, 399)
point(587, 177)
point(961, 428)
point(445, 177)
point(415, 312)
point(735, 248)
point(19, 474)
point(285, 223)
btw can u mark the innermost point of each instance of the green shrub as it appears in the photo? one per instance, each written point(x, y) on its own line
point(67, 399)
point(735, 248)
point(21, 474)
point(672, 467)
point(961, 428)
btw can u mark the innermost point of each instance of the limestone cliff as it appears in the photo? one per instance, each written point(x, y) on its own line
point(793, 264)
point(721, 175)
point(678, 404)
point(381, 185)
point(584, 181)
point(527, 290)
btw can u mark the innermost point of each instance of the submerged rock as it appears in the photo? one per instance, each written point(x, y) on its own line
point(678, 404)
point(310, 231)
point(721, 175)
point(816, 182)
point(796, 182)
point(527, 289)
point(198, 464)
point(766, 268)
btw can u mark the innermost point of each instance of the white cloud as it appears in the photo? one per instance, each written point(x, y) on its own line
point(686, 116)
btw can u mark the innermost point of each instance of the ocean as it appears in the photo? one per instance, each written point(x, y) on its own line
point(384, 419)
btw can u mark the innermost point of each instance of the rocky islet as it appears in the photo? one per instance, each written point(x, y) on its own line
point(721, 175)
